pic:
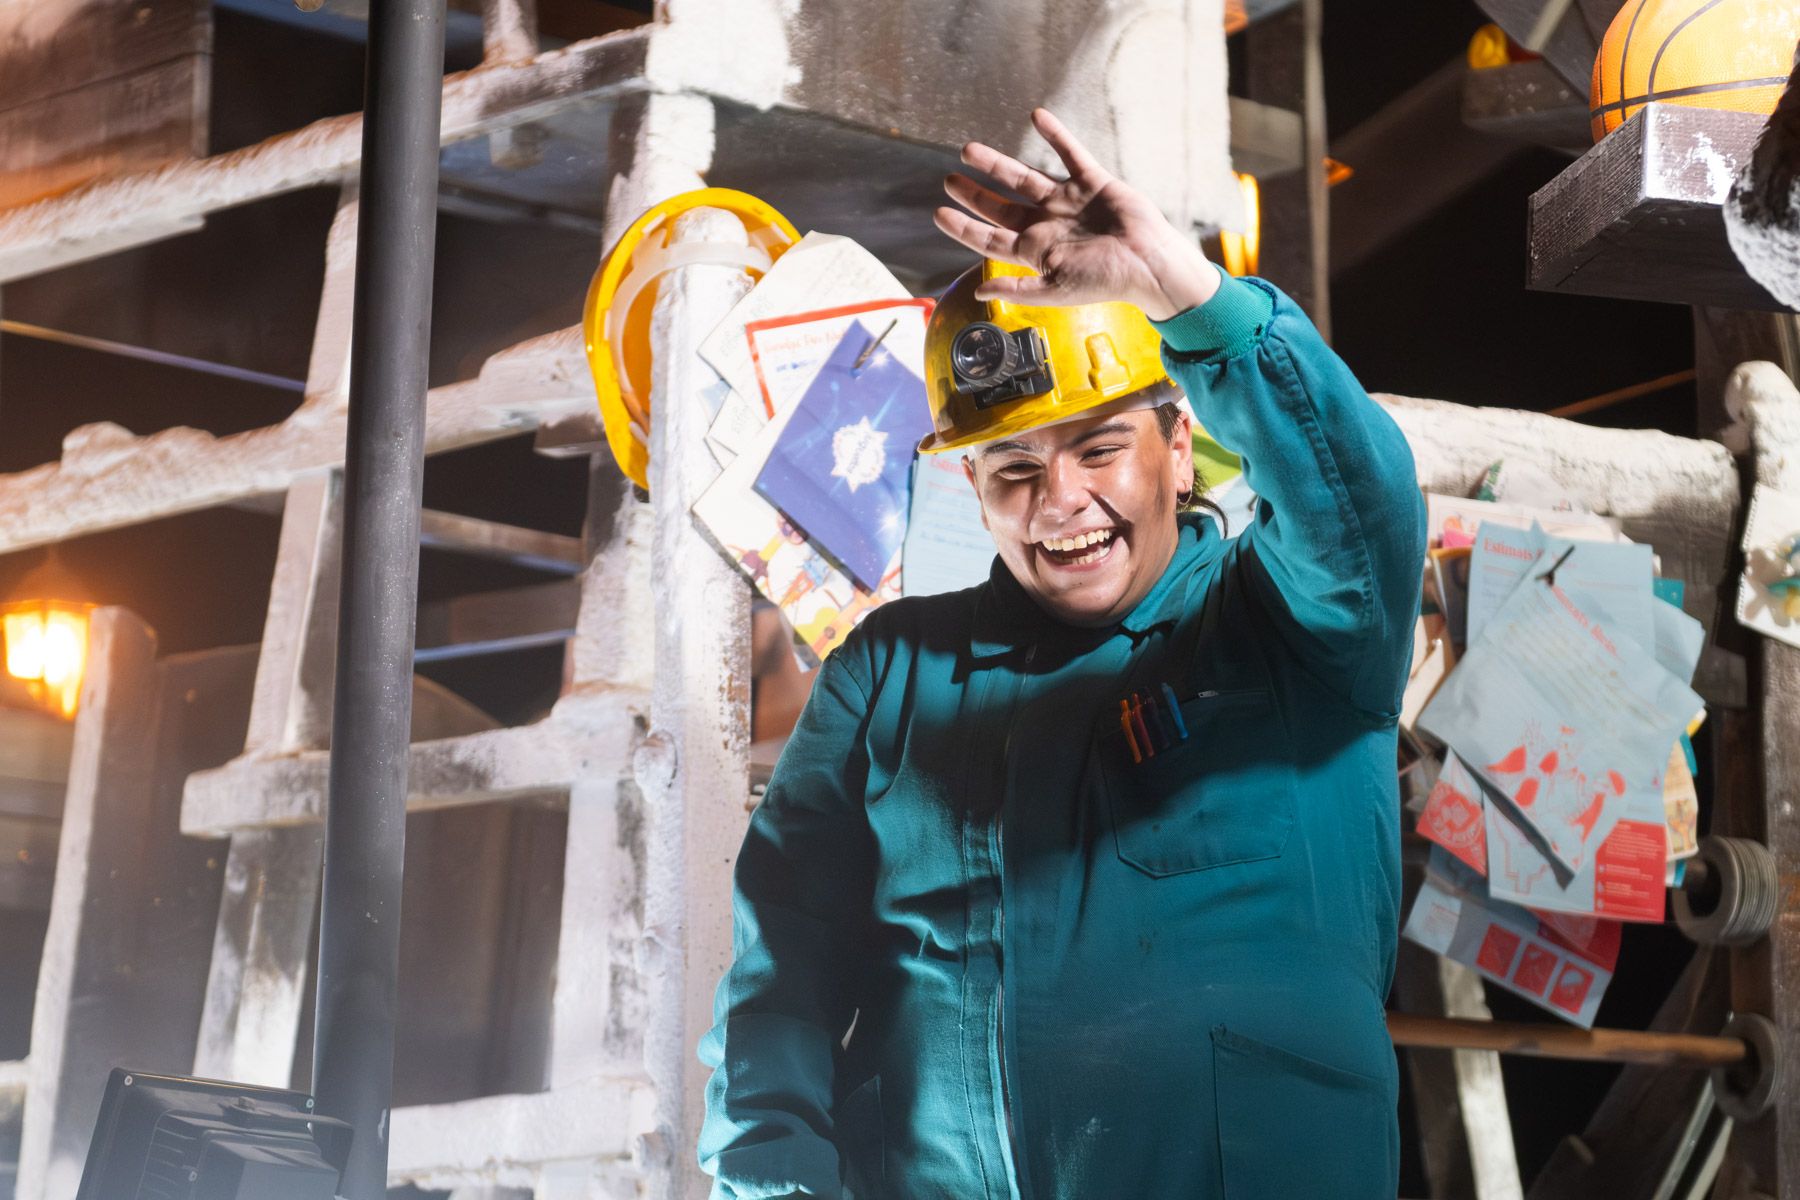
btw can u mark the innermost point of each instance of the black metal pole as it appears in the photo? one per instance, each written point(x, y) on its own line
point(365, 823)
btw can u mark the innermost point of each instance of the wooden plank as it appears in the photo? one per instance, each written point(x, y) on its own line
point(1766, 977)
point(1627, 1144)
point(1572, 42)
point(1266, 140)
point(134, 209)
point(501, 1139)
point(138, 122)
point(602, 930)
point(1638, 217)
point(261, 966)
point(131, 918)
point(1527, 102)
point(508, 543)
point(505, 764)
point(693, 767)
point(48, 47)
point(1389, 195)
point(27, 863)
point(107, 478)
point(487, 622)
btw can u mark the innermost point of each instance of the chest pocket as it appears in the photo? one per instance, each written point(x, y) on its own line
point(1224, 795)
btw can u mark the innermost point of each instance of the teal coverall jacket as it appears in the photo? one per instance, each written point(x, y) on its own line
point(1073, 977)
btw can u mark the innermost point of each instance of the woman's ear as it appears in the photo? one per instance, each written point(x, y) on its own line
point(1181, 450)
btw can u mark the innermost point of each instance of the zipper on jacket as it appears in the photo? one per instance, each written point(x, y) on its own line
point(1006, 1132)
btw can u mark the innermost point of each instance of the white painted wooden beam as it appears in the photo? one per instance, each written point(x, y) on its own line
point(108, 478)
point(131, 210)
point(504, 764)
point(693, 767)
point(126, 948)
point(505, 1139)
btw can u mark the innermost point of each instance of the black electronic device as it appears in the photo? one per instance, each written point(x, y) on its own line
point(165, 1137)
point(994, 365)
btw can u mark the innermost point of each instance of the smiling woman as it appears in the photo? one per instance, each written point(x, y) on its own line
point(1084, 883)
point(1083, 511)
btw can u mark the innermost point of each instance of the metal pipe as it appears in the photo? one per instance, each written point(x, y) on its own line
point(162, 358)
point(1567, 1041)
point(365, 822)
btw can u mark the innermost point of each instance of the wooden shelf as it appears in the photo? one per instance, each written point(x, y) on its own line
point(1638, 217)
point(1527, 102)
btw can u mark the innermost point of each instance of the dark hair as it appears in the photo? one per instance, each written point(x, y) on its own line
point(1166, 416)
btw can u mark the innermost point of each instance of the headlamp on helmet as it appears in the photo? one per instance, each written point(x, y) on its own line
point(992, 365)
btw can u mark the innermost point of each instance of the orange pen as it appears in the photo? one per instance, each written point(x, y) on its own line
point(1125, 726)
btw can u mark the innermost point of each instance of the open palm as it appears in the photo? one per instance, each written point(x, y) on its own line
point(1090, 237)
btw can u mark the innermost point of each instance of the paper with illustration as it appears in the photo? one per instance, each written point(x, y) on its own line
point(841, 468)
point(1566, 722)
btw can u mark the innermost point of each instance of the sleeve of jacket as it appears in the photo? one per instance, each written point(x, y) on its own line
point(1337, 541)
point(801, 889)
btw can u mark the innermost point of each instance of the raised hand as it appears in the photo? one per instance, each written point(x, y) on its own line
point(1090, 237)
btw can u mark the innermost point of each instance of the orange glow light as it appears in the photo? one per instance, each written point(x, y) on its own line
point(46, 649)
point(1241, 250)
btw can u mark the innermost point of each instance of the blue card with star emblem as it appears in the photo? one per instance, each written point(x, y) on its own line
point(841, 470)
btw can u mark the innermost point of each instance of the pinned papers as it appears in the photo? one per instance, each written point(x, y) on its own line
point(1451, 521)
point(947, 548)
point(1455, 817)
point(1561, 965)
point(1611, 581)
point(821, 271)
point(819, 599)
point(841, 468)
point(1568, 725)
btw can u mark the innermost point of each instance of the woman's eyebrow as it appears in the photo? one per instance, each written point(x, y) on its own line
point(1110, 429)
point(1003, 448)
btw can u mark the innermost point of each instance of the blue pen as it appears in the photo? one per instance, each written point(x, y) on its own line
point(1175, 711)
point(1165, 732)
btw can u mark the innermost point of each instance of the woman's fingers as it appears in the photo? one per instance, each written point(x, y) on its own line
point(989, 204)
point(1083, 167)
point(1032, 184)
point(989, 241)
point(1021, 289)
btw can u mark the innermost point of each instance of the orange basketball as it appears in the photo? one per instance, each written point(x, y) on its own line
point(1732, 54)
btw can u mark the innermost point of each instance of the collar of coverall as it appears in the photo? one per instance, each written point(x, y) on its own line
point(1006, 617)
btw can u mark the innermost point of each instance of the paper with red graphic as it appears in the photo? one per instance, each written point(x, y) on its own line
point(1453, 816)
point(1562, 964)
point(1566, 721)
point(1624, 879)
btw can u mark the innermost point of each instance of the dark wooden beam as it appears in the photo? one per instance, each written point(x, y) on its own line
point(490, 622)
point(509, 543)
point(1390, 193)
point(1526, 102)
point(1568, 43)
point(1638, 217)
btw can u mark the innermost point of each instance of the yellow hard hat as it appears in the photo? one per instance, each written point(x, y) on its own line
point(616, 319)
point(994, 368)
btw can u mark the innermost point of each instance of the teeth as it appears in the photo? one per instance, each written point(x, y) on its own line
point(1080, 541)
